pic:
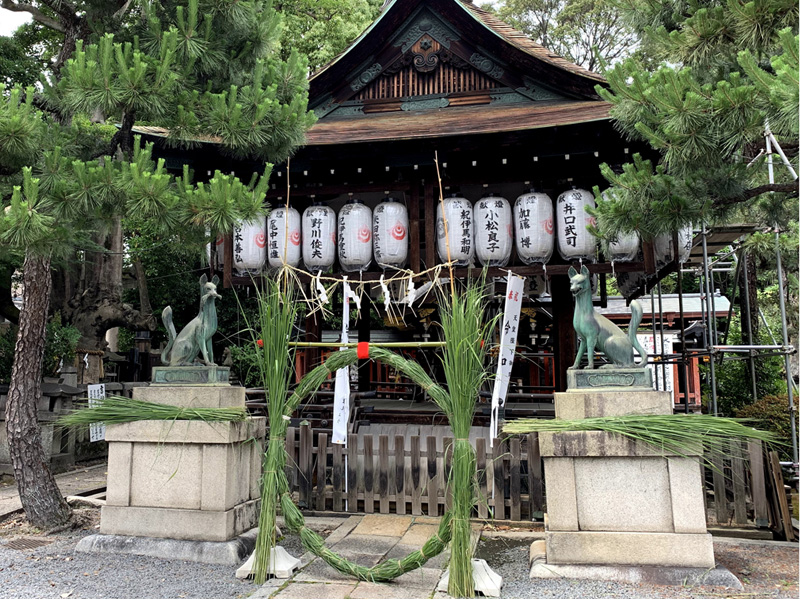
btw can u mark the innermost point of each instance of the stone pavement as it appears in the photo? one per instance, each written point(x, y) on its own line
point(367, 540)
point(70, 483)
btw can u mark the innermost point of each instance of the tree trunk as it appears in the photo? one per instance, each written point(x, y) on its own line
point(41, 499)
point(97, 305)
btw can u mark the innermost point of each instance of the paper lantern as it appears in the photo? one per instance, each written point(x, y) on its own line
point(249, 246)
point(624, 248)
point(685, 238)
point(390, 233)
point(219, 249)
point(574, 242)
point(355, 237)
point(533, 217)
point(494, 232)
point(536, 285)
point(282, 250)
point(319, 237)
point(628, 283)
point(458, 214)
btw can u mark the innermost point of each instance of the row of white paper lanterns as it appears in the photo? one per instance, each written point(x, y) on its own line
point(463, 231)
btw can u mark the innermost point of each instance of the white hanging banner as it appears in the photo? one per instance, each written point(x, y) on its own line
point(508, 344)
point(341, 389)
point(96, 391)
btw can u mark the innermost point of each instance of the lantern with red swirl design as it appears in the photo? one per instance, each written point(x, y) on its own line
point(572, 217)
point(249, 246)
point(390, 234)
point(494, 232)
point(533, 216)
point(319, 237)
point(282, 249)
point(355, 237)
point(459, 226)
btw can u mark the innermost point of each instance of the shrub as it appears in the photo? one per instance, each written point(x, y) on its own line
point(244, 362)
point(772, 414)
point(60, 343)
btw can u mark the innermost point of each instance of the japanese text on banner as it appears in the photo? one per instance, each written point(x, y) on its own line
point(341, 390)
point(508, 344)
point(96, 391)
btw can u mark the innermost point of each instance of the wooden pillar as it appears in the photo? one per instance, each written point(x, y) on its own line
point(429, 218)
point(313, 334)
point(413, 228)
point(564, 340)
point(227, 268)
point(363, 336)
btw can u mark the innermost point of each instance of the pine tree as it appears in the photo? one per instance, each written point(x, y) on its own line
point(726, 69)
point(200, 68)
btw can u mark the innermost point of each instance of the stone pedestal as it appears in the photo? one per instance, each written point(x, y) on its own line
point(614, 501)
point(184, 480)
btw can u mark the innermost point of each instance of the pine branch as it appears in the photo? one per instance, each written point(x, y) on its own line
point(37, 15)
point(789, 188)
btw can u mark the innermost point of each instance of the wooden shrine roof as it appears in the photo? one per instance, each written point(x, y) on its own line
point(453, 121)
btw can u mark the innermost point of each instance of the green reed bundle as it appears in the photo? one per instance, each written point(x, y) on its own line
point(466, 334)
point(277, 312)
point(682, 435)
point(118, 409)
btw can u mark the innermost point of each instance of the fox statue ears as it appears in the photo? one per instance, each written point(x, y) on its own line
point(204, 281)
point(584, 271)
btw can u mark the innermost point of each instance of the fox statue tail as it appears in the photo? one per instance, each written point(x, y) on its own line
point(636, 318)
point(166, 316)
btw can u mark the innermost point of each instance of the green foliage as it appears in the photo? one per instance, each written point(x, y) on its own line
point(724, 70)
point(245, 363)
point(734, 387)
point(321, 29)
point(8, 340)
point(586, 32)
point(16, 67)
point(771, 413)
point(60, 344)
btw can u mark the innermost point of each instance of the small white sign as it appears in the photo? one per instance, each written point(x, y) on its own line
point(96, 391)
point(652, 345)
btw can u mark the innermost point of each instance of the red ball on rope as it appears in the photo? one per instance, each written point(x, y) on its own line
point(362, 350)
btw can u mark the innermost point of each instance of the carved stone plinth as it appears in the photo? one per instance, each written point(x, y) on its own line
point(616, 378)
point(614, 501)
point(191, 375)
point(185, 480)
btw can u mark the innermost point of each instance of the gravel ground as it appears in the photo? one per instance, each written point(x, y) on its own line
point(55, 570)
point(766, 570)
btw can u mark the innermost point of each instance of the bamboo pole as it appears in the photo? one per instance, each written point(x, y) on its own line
point(374, 345)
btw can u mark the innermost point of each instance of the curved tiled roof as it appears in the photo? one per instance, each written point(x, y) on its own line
point(524, 43)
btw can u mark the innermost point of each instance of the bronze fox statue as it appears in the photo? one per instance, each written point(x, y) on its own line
point(596, 331)
point(183, 348)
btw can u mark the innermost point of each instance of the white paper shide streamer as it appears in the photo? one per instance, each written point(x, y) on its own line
point(508, 344)
point(341, 389)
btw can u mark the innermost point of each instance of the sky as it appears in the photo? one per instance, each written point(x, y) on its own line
point(9, 21)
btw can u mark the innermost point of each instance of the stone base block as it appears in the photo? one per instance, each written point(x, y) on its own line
point(582, 404)
point(221, 553)
point(192, 396)
point(694, 550)
point(617, 378)
point(678, 576)
point(179, 524)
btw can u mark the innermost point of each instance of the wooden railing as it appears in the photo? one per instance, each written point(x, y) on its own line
point(408, 474)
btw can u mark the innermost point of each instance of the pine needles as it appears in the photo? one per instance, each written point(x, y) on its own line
point(115, 410)
point(681, 435)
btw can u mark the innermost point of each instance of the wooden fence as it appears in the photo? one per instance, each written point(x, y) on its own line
point(407, 475)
